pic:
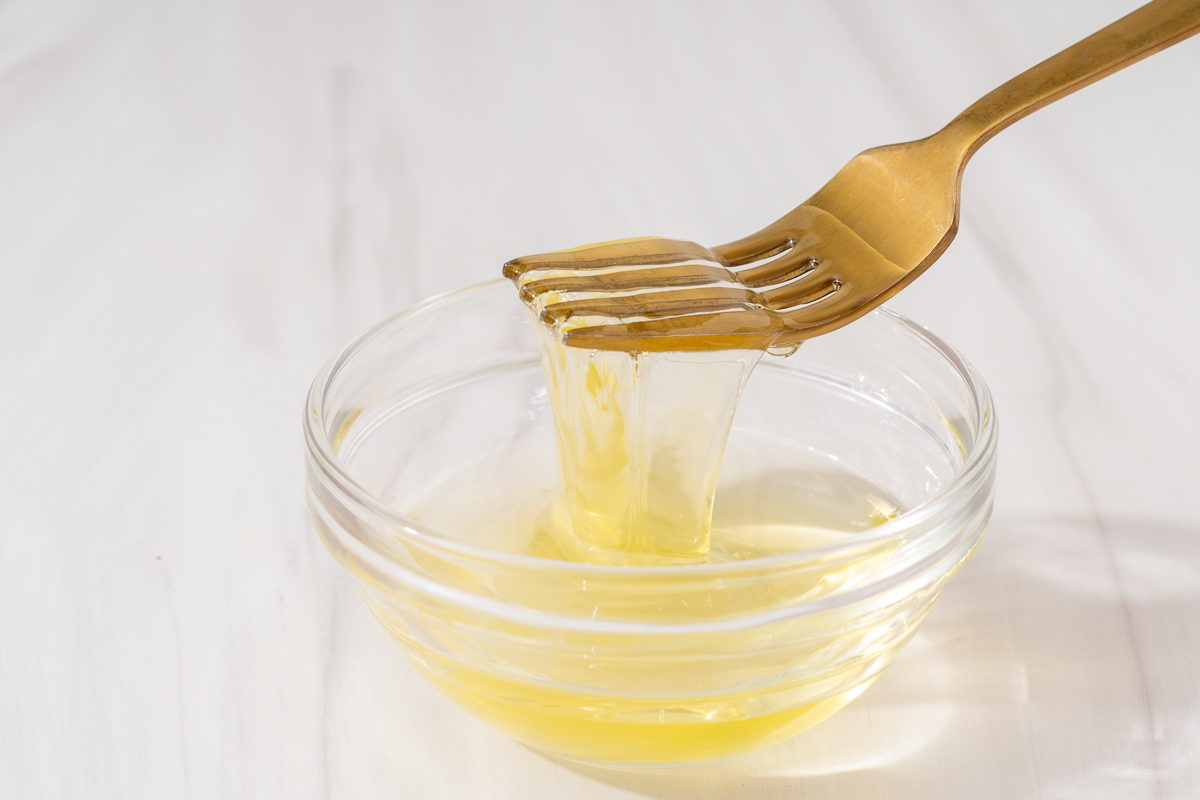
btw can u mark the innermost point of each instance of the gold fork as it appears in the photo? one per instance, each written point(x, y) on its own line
point(864, 236)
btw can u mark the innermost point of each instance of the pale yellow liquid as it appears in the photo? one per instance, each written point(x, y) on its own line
point(662, 710)
point(655, 732)
point(641, 440)
point(771, 499)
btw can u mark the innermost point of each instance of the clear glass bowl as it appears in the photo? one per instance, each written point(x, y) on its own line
point(643, 665)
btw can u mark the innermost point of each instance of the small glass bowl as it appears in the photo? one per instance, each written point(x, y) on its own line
point(643, 665)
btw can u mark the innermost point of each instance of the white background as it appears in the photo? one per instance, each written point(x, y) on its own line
point(202, 202)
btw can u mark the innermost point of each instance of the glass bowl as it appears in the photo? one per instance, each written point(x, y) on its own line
point(641, 665)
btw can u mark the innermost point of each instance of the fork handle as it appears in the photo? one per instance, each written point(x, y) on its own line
point(1153, 27)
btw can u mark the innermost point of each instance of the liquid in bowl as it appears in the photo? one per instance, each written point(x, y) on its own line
point(435, 424)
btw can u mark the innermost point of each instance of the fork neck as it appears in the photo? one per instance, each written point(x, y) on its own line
point(1153, 27)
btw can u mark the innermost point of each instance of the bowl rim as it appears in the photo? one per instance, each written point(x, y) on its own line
point(977, 460)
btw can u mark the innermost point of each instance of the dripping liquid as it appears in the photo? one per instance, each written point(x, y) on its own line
point(645, 477)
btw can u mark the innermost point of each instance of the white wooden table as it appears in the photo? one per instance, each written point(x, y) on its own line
point(200, 202)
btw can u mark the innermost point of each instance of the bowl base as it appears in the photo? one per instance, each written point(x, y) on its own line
point(567, 730)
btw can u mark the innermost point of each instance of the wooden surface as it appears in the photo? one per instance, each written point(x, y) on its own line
point(201, 202)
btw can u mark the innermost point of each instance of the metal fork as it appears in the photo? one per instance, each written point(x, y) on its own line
point(883, 219)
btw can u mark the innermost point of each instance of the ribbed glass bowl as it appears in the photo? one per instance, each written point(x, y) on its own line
point(644, 665)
